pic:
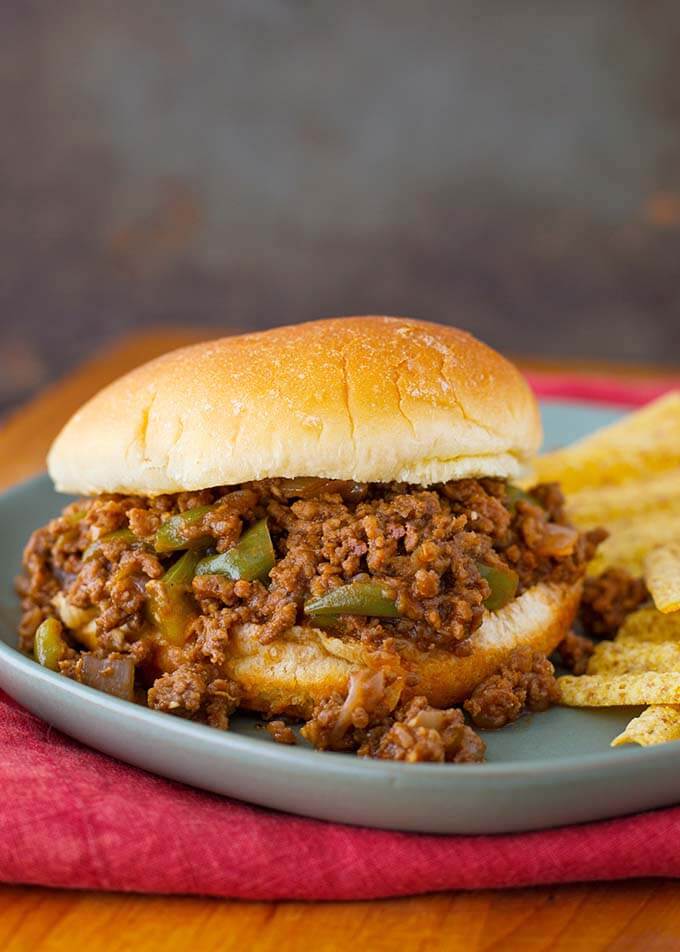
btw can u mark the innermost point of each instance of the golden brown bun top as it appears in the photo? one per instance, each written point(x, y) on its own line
point(365, 398)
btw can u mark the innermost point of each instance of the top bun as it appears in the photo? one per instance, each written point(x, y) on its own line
point(364, 398)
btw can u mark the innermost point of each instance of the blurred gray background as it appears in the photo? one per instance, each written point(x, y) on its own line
point(508, 166)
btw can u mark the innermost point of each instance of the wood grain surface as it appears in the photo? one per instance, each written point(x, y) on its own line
point(614, 916)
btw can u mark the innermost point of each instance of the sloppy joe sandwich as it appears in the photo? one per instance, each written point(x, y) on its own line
point(318, 522)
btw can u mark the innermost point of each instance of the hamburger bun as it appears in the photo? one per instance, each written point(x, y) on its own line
point(374, 399)
point(296, 671)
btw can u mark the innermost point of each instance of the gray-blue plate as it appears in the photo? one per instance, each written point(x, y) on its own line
point(545, 770)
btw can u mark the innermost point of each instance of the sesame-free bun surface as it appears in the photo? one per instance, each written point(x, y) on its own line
point(365, 398)
point(301, 667)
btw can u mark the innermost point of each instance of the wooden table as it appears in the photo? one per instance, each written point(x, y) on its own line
point(624, 916)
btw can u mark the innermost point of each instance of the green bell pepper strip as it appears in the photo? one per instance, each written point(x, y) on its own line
point(172, 534)
point(514, 495)
point(251, 558)
point(121, 535)
point(503, 583)
point(357, 598)
point(180, 575)
point(330, 623)
point(169, 604)
point(49, 647)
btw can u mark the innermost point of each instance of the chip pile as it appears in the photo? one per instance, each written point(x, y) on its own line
point(627, 478)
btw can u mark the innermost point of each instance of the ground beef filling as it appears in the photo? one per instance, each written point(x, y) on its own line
point(575, 651)
point(606, 602)
point(372, 721)
point(608, 599)
point(525, 682)
point(95, 567)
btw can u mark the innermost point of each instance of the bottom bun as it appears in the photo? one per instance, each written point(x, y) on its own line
point(293, 673)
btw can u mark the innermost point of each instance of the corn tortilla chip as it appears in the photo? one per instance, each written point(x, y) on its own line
point(632, 538)
point(656, 725)
point(662, 575)
point(601, 690)
point(638, 446)
point(648, 624)
point(612, 658)
point(608, 504)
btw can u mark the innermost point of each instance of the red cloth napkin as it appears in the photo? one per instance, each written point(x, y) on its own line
point(72, 817)
point(602, 390)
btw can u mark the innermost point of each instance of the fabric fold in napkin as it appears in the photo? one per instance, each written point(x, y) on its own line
point(75, 818)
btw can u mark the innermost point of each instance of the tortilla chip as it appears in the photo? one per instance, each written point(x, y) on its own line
point(630, 657)
point(662, 575)
point(641, 445)
point(656, 725)
point(607, 504)
point(601, 690)
point(631, 539)
point(648, 624)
